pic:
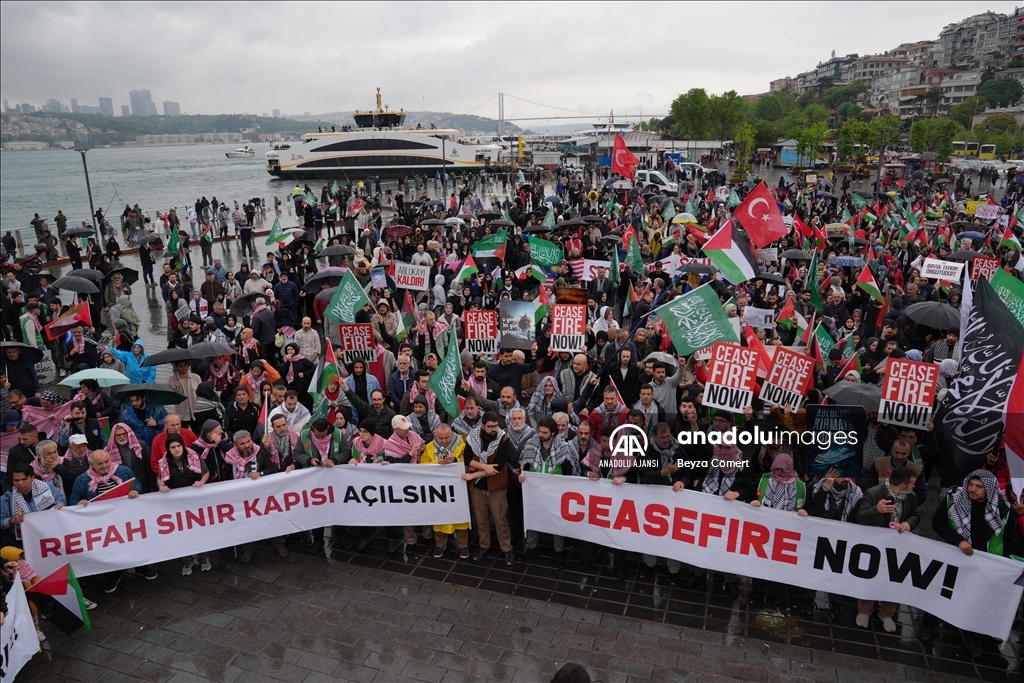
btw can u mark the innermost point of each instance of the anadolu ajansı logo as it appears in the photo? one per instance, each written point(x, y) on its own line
point(628, 442)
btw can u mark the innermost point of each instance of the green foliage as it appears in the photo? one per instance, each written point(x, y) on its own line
point(1015, 63)
point(935, 135)
point(1001, 92)
point(692, 114)
point(808, 144)
point(817, 113)
point(727, 112)
point(743, 141)
point(767, 133)
point(998, 122)
point(774, 107)
point(886, 130)
point(963, 113)
point(848, 110)
point(854, 132)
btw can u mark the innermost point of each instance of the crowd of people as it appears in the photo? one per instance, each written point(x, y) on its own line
point(522, 410)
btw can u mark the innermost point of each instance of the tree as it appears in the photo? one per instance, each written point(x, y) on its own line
point(692, 114)
point(727, 111)
point(743, 141)
point(964, 112)
point(848, 110)
point(854, 132)
point(774, 107)
point(816, 113)
point(767, 133)
point(1001, 92)
point(808, 144)
point(999, 122)
point(934, 135)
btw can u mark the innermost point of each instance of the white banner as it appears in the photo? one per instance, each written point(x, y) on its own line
point(976, 592)
point(942, 270)
point(763, 318)
point(408, 276)
point(102, 537)
point(590, 267)
point(18, 639)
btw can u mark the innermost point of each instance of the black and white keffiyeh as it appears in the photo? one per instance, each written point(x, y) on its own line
point(476, 445)
point(561, 452)
point(960, 511)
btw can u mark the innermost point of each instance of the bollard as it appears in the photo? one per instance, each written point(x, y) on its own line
point(21, 246)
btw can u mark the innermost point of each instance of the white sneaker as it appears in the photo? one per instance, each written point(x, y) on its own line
point(206, 565)
point(889, 625)
point(41, 635)
point(186, 569)
point(863, 620)
point(89, 604)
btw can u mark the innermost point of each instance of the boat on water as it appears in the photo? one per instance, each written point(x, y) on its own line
point(379, 146)
point(240, 152)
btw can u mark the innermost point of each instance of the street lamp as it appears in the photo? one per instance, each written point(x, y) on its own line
point(92, 210)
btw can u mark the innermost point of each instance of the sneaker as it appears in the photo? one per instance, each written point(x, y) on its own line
point(186, 568)
point(480, 554)
point(206, 565)
point(889, 625)
point(438, 552)
point(973, 648)
point(89, 604)
point(510, 558)
point(835, 610)
point(927, 632)
point(147, 572)
point(282, 552)
point(111, 585)
point(464, 553)
point(42, 636)
point(863, 619)
point(246, 556)
point(364, 543)
point(393, 544)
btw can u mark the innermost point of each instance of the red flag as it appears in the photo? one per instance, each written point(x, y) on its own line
point(69, 320)
point(760, 217)
point(802, 227)
point(119, 491)
point(755, 343)
point(623, 160)
point(263, 408)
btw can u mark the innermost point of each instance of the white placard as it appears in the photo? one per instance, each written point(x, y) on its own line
point(942, 270)
point(408, 276)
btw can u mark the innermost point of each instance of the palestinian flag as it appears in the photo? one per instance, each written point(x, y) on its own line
point(469, 268)
point(846, 344)
point(730, 251)
point(753, 342)
point(105, 426)
point(806, 330)
point(1009, 240)
point(542, 304)
point(76, 316)
point(1017, 218)
point(320, 242)
point(618, 394)
point(406, 317)
point(492, 246)
point(534, 271)
point(786, 317)
point(867, 282)
point(330, 373)
point(119, 491)
point(174, 241)
point(917, 236)
point(852, 363)
point(207, 235)
point(265, 408)
point(631, 301)
point(68, 605)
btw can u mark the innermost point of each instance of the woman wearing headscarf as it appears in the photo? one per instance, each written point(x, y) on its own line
point(541, 402)
point(181, 467)
point(779, 489)
point(834, 498)
point(297, 371)
point(125, 321)
point(108, 361)
point(208, 405)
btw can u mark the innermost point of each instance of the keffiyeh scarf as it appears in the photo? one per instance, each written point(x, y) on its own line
point(475, 443)
point(396, 448)
point(239, 463)
point(960, 511)
point(41, 494)
point(191, 460)
point(373, 451)
point(845, 500)
point(108, 480)
point(560, 452)
point(115, 451)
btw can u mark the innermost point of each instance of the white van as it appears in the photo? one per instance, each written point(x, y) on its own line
point(655, 181)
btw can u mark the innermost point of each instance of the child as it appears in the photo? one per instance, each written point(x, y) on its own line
point(15, 567)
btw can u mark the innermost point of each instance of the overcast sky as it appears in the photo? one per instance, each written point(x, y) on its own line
point(255, 57)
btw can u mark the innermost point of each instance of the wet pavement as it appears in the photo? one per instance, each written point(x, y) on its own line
point(371, 616)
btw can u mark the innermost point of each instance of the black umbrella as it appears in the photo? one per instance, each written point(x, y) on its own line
point(241, 306)
point(76, 284)
point(573, 223)
point(770, 277)
point(935, 315)
point(611, 238)
point(965, 254)
point(917, 175)
point(942, 181)
point(151, 238)
point(701, 268)
point(330, 275)
point(855, 394)
point(33, 354)
point(434, 202)
point(337, 250)
point(961, 224)
point(866, 195)
point(210, 349)
point(487, 214)
point(327, 294)
point(88, 274)
point(433, 221)
point(538, 228)
point(129, 275)
point(502, 223)
point(79, 232)
point(169, 356)
point(671, 200)
point(796, 255)
point(161, 394)
point(593, 219)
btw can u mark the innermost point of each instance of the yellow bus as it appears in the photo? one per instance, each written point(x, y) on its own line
point(987, 152)
point(965, 149)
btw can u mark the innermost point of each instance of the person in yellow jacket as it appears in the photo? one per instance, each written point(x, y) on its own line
point(447, 447)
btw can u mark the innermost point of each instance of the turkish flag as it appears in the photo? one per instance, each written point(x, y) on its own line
point(760, 217)
point(623, 160)
point(802, 227)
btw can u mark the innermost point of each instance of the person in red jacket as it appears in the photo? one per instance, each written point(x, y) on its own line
point(609, 412)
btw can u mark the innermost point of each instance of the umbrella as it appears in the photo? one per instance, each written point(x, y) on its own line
point(942, 181)
point(169, 356)
point(156, 393)
point(796, 255)
point(434, 202)
point(432, 221)
point(670, 200)
point(934, 315)
point(327, 294)
point(502, 223)
point(846, 261)
point(843, 238)
point(611, 238)
point(825, 182)
point(33, 354)
point(593, 219)
point(701, 268)
point(962, 224)
point(851, 394)
point(337, 250)
point(129, 275)
point(331, 275)
point(553, 199)
point(102, 376)
point(210, 349)
point(396, 231)
point(454, 220)
point(972, 235)
point(241, 306)
point(150, 238)
point(79, 232)
point(965, 254)
point(866, 195)
point(88, 274)
point(466, 216)
point(490, 213)
point(769, 277)
point(684, 218)
point(666, 358)
point(537, 228)
point(76, 284)
point(573, 223)
point(827, 195)
point(917, 175)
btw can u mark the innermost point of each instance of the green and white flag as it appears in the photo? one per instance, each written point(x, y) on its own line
point(549, 219)
point(696, 320)
point(348, 300)
point(670, 211)
point(545, 253)
point(334, 189)
point(634, 258)
point(444, 380)
point(174, 241)
point(1010, 291)
point(492, 246)
point(734, 199)
point(276, 233)
point(825, 341)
